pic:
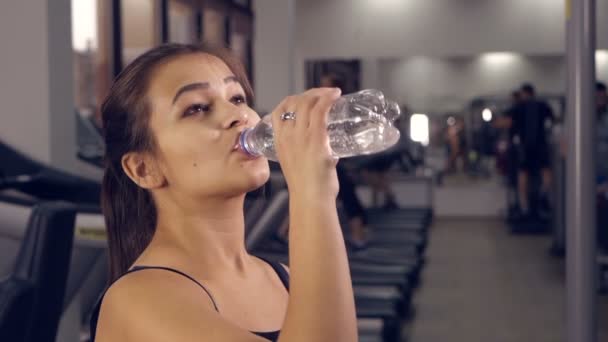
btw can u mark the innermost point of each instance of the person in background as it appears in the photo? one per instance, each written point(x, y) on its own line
point(374, 169)
point(601, 103)
point(508, 157)
point(456, 143)
point(527, 124)
point(357, 219)
point(375, 172)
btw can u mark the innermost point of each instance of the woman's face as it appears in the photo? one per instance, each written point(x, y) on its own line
point(198, 109)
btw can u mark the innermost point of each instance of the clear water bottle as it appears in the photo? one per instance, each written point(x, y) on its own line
point(359, 123)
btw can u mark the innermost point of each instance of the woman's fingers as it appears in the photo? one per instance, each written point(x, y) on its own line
point(306, 102)
point(287, 105)
point(311, 115)
point(320, 112)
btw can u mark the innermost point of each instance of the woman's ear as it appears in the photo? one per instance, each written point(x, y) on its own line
point(143, 170)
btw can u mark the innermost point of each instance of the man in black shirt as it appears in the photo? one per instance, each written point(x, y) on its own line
point(528, 125)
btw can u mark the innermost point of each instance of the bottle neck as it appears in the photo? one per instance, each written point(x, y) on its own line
point(247, 144)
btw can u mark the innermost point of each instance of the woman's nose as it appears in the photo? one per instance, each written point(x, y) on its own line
point(237, 117)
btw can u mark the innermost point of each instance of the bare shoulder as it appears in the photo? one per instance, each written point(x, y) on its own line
point(156, 305)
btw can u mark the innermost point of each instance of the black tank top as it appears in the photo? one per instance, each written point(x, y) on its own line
point(271, 336)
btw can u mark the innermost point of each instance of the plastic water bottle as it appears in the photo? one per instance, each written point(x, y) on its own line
point(359, 123)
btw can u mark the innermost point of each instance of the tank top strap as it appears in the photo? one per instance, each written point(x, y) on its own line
point(140, 268)
point(97, 308)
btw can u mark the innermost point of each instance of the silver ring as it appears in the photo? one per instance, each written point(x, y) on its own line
point(288, 116)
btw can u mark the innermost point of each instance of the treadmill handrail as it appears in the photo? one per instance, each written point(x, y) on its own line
point(276, 207)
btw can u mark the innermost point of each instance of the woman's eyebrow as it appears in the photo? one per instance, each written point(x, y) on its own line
point(200, 85)
point(190, 87)
point(231, 78)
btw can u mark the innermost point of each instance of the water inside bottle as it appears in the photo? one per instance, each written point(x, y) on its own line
point(359, 124)
point(361, 135)
point(347, 137)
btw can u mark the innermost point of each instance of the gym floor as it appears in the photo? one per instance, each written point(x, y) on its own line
point(483, 284)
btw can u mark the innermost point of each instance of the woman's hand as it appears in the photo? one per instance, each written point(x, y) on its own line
point(302, 144)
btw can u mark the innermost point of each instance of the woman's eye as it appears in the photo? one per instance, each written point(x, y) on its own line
point(238, 99)
point(196, 109)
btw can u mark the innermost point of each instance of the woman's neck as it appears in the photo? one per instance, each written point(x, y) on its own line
point(211, 235)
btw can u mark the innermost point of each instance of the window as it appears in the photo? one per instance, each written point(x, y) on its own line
point(182, 22)
point(140, 24)
point(419, 128)
point(92, 55)
point(214, 26)
point(92, 72)
point(241, 37)
point(85, 47)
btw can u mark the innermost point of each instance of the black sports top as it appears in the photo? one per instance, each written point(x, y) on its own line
point(271, 336)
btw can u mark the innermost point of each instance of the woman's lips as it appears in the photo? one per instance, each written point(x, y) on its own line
point(237, 143)
point(237, 148)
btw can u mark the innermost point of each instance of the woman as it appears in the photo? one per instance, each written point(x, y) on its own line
point(173, 194)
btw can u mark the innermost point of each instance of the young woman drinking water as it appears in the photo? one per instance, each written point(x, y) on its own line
point(173, 194)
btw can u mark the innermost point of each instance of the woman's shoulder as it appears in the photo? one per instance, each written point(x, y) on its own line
point(161, 284)
point(152, 306)
point(141, 302)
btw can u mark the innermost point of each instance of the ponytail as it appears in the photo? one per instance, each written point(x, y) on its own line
point(130, 217)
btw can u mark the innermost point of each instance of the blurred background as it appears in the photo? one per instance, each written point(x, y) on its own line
point(491, 266)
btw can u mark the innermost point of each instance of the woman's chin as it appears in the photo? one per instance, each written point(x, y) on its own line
point(253, 176)
point(258, 178)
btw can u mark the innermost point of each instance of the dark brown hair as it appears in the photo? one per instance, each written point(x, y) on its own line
point(129, 211)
